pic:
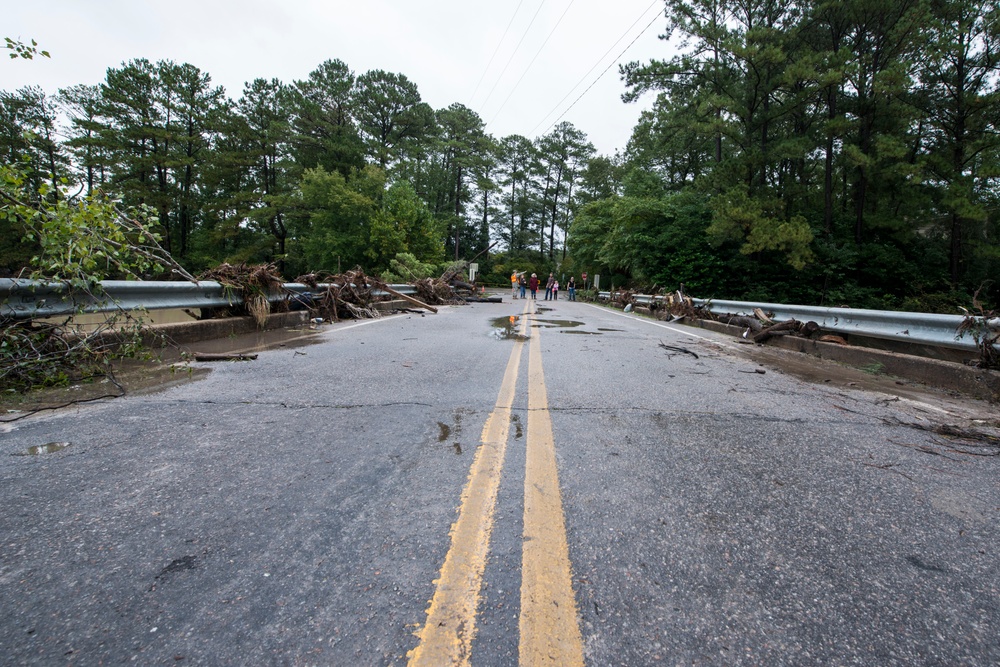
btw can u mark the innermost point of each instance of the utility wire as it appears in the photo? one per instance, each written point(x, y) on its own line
point(599, 61)
point(495, 51)
point(504, 71)
point(604, 72)
point(528, 68)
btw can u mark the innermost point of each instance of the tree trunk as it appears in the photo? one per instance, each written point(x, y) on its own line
point(555, 211)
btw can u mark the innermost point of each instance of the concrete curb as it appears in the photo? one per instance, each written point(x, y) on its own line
point(182, 333)
point(197, 330)
point(979, 383)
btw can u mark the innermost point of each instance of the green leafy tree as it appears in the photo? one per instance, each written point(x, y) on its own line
point(28, 127)
point(337, 232)
point(461, 151)
point(421, 231)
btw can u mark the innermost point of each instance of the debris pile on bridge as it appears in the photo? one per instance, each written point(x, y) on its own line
point(980, 323)
point(255, 283)
point(434, 291)
point(677, 305)
point(345, 296)
point(758, 328)
point(761, 328)
point(451, 287)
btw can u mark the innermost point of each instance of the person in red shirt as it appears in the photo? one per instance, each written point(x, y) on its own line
point(533, 285)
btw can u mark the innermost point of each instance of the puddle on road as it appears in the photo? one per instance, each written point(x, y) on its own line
point(605, 329)
point(585, 333)
point(553, 324)
point(506, 328)
point(258, 341)
point(41, 450)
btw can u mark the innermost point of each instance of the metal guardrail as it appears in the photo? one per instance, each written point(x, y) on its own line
point(917, 328)
point(25, 299)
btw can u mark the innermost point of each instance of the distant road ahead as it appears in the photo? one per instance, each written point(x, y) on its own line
point(499, 484)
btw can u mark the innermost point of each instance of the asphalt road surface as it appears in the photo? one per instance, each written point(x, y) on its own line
point(501, 484)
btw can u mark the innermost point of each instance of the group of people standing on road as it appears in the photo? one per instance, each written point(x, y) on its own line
point(518, 283)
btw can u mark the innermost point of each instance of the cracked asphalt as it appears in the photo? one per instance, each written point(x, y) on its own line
point(295, 510)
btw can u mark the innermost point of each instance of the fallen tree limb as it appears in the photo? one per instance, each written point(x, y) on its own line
point(786, 328)
point(742, 321)
point(415, 302)
point(225, 356)
point(674, 348)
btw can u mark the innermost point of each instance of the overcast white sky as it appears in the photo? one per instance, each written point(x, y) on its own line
point(444, 46)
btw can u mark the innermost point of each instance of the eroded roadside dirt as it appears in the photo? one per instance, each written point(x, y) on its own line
point(167, 368)
point(920, 399)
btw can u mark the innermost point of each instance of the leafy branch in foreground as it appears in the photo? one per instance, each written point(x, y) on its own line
point(79, 242)
point(82, 240)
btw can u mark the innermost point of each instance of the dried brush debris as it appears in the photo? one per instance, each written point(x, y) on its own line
point(677, 305)
point(256, 284)
point(349, 295)
point(981, 325)
point(434, 291)
point(38, 354)
point(957, 439)
point(623, 298)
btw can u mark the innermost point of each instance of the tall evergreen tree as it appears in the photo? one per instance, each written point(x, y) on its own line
point(324, 127)
point(389, 113)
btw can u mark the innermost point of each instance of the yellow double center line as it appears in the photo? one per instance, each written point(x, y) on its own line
point(549, 629)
